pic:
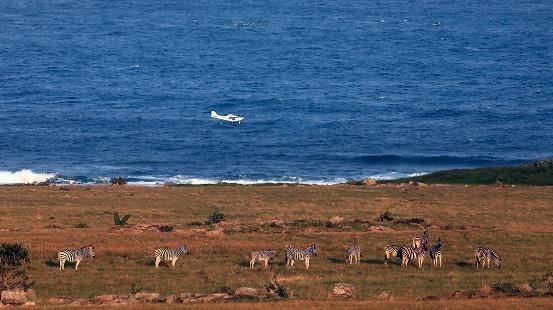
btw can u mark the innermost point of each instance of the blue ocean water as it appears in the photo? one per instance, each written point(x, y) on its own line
point(331, 90)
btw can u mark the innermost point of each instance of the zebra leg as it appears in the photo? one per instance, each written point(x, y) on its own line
point(158, 259)
point(440, 260)
point(77, 265)
point(291, 263)
point(252, 262)
point(488, 260)
point(62, 264)
point(359, 258)
point(306, 263)
point(266, 262)
point(173, 261)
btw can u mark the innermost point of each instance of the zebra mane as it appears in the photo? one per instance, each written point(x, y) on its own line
point(86, 246)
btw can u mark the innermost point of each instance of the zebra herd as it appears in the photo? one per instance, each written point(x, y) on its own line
point(416, 252)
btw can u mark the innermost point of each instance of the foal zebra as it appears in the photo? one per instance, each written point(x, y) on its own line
point(75, 255)
point(409, 253)
point(483, 255)
point(353, 254)
point(436, 253)
point(419, 241)
point(294, 254)
point(391, 250)
point(170, 254)
point(262, 256)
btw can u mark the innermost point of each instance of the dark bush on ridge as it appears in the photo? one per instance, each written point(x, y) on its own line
point(80, 225)
point(118, 181)
point(385, 216)
point(215, 217)
point(13, 256)
point(165, 228)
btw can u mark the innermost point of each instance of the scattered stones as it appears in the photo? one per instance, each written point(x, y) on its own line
point(369, 182)
point(105, 298)
point(384, 296)
point(417, 184)
point(249, 292)
point(195, 298)
point(147, 297)
point(17, 297)
point(377, 229)
point(170, 299)
point(336, 220)
point(344, 290)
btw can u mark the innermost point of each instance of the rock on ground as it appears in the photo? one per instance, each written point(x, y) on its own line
point(385, 296)
point(16, 297)
point(343, 290)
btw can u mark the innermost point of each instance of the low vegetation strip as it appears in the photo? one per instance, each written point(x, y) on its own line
point(535, 173)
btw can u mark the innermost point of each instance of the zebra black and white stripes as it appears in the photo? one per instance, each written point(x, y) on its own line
point(409, 253)
point(353, 254)
point(170, 254)
point(436, 253)
point(419, 241)
point(483, 255)
point(75, 256)
point(294, 254)
point(262, 256)
point(390, 251)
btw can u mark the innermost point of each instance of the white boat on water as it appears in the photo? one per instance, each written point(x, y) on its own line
point(227, 118)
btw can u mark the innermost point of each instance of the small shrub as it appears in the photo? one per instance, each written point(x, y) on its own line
point(80, 225)
point(120, 221)
point(215, 217)
point(135, 289)
point(166, 228)
point(548, 281)
point(385, 216)
point(53, 226)
point(118, 181)
point(409, 221)
point(226, 289)
point(275, 288)
point(13, 256)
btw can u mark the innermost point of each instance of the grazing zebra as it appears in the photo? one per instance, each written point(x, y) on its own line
point(483, 255)
point(262, 256)
point(419, 241)
point(409, 253)
point(75, 255)
point(170, 254)
point(294, 254)
point(391, 250)
point(353, 254)
point(436, 253)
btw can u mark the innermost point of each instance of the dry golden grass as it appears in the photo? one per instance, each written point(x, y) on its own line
point(515, 221)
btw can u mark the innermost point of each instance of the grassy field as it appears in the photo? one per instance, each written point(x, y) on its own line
point(516, 221)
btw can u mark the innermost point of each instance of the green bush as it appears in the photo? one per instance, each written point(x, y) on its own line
point(13, 257)
point(216, 217)
point(80, 225)
point(120, 221)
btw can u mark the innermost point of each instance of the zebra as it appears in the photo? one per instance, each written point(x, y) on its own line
point(483, 255)
point(418, 241)
point(436, 253)
point(262, 256)
point(353, 254)
point(294, 254)
point(170, 254)
point(75, 256)
point(409, 253)
point(391, 250)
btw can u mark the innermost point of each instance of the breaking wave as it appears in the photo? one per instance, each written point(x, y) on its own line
point(24, 176)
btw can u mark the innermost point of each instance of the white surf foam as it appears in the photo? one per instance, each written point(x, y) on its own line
point(24, 176)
